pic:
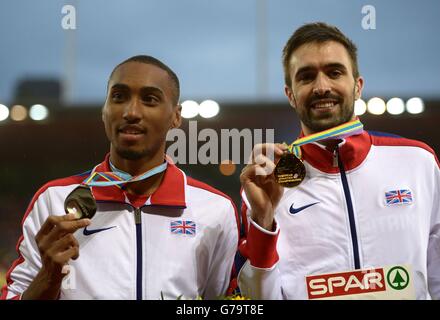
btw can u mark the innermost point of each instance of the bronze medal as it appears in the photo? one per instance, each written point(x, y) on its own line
point(81, 202)
point(289, 171)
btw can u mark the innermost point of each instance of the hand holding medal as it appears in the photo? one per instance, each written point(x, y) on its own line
point(290, 170)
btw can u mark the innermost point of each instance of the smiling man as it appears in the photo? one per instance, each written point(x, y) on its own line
point(364, 220)
point(156, 233)
point(325, 85)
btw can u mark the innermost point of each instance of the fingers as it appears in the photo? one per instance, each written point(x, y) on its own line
point(64, 243)
point(259, 172)
point(52, 221)
point(59, 238)
point(273, 151)
point(264, 166)
point(60, 230)
point(264, 158)
point(66, 226)
point(62, 258)
point(71, 253)
point(64, 249)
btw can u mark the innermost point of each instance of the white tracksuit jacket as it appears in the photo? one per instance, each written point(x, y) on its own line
point(339, 220)
point(130, 251)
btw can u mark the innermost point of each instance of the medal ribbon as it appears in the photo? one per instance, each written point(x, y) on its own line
point(342, 131)
point(118, 177)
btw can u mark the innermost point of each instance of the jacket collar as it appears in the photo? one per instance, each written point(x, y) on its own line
point(352, 151)
point(171, 192)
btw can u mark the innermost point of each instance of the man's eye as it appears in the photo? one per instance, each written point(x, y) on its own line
point(117, 96)
point(150, 100)
point(306, 77)
point(335, 74)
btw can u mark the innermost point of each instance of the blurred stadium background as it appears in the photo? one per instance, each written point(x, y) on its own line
point(52, 84)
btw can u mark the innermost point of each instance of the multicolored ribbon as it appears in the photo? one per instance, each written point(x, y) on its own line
point(118, 177)
point(342, 131)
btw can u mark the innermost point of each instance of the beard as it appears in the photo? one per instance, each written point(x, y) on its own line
point(146, 149)
point(129, 154)
point(136, 152)
point(320, 122)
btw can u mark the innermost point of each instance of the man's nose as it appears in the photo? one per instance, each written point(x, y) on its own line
point(321, 86)
point(133, 111)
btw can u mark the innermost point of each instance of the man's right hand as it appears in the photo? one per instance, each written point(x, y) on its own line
point(57, 246)
point(258, 182)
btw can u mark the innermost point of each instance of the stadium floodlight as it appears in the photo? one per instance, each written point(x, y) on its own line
point(190, 109)
point(209, 109)
point(38, 112)
point(395, 106)
point(4, 112)
point(18, 113)
point(415, 105)
point(360, 107)
point(376, 106)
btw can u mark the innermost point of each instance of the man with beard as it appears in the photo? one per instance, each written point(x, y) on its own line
point(364, 222)
point(156, 233)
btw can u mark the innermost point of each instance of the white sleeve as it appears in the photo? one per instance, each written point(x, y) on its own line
point(434, 240)
point(28, 264)
point(259, 277)
point(223, 257)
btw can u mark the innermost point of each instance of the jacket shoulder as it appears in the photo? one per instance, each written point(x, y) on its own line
point(204, 186)
point(62, 182)
point(383, 139)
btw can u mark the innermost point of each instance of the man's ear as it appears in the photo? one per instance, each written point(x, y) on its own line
point(177, 121)
point(289, 94)
point(359, 85)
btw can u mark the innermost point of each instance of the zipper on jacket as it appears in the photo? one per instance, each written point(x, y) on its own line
point(354, 240)
point(335, 158)
point(138, 221)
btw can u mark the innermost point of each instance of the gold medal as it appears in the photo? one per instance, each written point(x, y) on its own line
point(289, 171)
point(81, 202)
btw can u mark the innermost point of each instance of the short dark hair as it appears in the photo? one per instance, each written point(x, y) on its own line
point(317, 32)
point(156, 62)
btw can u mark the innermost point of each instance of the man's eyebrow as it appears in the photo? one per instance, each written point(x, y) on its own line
point(153, 90)
point(122, 86)
point(333, 65)
point(119, 86)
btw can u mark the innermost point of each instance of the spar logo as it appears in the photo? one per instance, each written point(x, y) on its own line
point(345, 283)
point(357, 282)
